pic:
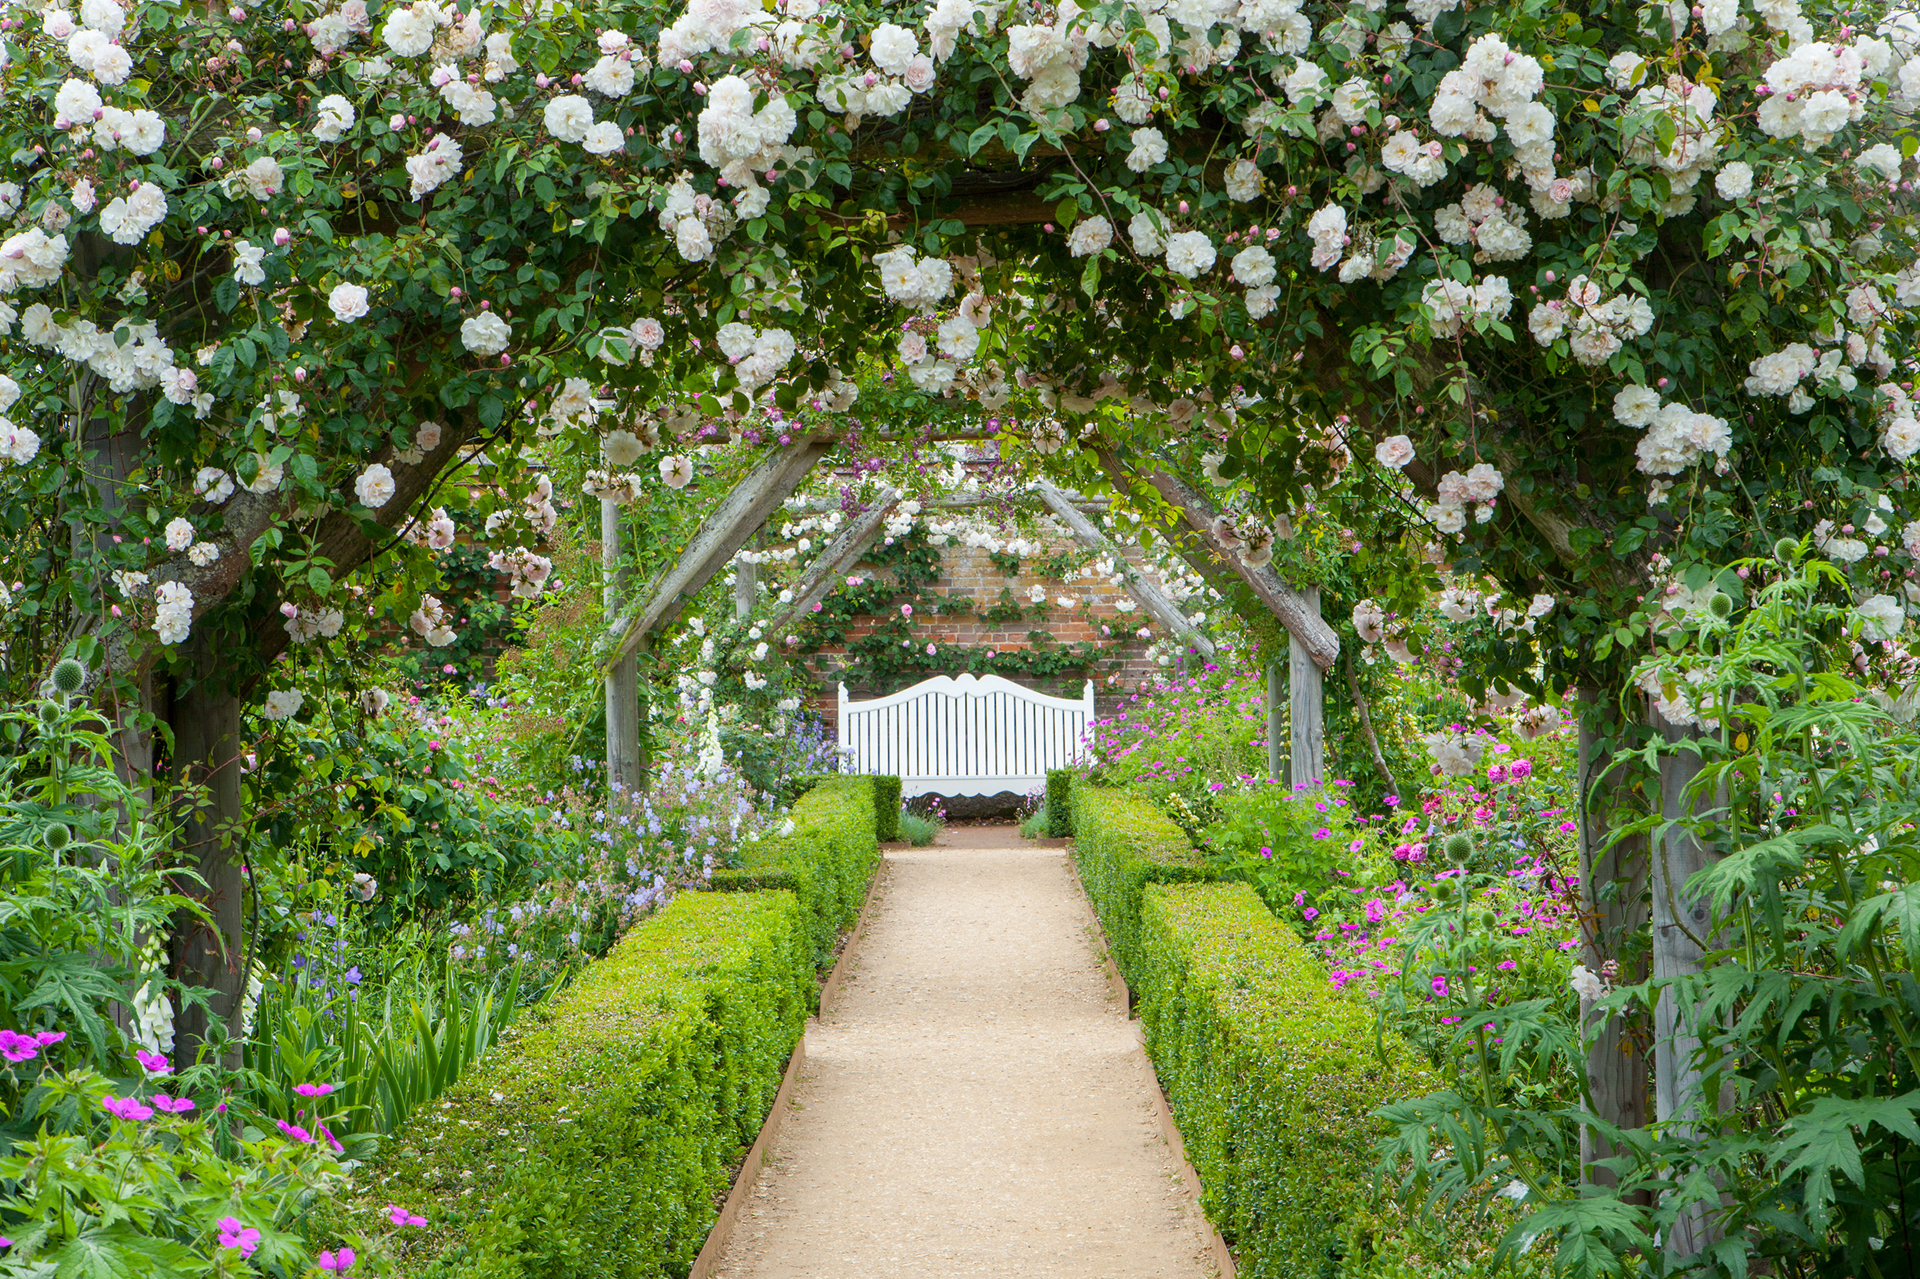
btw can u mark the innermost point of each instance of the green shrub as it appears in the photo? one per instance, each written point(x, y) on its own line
point(826, 859)
point(886, 808)
point(414, 815)
point(1123, 843)
point(1285, 842)
point(1059, 804)
point(598, 1144)
point(1273, 1077)
point(1035, 825)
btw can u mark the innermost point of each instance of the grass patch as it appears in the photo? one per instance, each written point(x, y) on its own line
point(918, 829)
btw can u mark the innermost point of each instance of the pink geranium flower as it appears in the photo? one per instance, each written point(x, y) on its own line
point(127, 1108)
point(235, 1235)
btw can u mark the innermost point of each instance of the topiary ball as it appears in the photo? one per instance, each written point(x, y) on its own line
point(69, 676)
point(1459, 849)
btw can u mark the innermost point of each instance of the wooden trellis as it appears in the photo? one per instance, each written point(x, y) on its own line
point(745, 510)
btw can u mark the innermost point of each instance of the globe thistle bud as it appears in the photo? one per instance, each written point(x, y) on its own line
point(1786, 550)
point(56, 836)
point(1459, 849)
point(51, 713)
point(1720, 605)
point(69, 676)
point(1444, 891)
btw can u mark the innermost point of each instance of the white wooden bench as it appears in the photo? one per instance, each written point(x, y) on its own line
point(964, 736)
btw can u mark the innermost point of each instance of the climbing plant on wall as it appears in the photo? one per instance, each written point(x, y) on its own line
point(893, 593)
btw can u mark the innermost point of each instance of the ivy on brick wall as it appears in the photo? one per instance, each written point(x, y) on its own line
point(892, 593)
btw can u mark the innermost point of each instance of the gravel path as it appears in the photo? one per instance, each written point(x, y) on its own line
point(974, 1102)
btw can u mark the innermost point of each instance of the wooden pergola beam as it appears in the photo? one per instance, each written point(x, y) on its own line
point(845, 550)
point(1300, 616)
point(961, 501)
point(1149, 596)
point(719, 537)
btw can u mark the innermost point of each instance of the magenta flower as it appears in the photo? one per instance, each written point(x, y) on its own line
point(1520, 770)
point(172, 1105)
point(127, 1108)
point(338, 1262)
point(313, 1090)
point(235, 1235)
point(48, 1038)
point(153, 1063)
point(16, 1047)
point(1322, 833)
point(1440, 986)
point(401, 1217)
point(294, 1131)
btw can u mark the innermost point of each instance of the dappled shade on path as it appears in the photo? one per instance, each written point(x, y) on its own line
point(973, 1103)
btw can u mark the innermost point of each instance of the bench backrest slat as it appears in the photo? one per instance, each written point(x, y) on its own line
point(965, 735)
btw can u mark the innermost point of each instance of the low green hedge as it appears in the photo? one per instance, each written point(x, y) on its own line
point(1059, 803)
point(1272, 1075)
point(886, 808)
point(825, 860)
point(598, 1143)
point(1121, 844)
point(1273, 1078)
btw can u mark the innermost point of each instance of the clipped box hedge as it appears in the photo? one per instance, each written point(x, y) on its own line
point(1272, 1075)
point(886, 807)
point(1059, 802)
point(598, 1144)
point(1273, 1078)
point(1121, 844)
point(825, 860)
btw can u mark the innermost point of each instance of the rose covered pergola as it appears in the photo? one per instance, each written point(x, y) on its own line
point(1609, 293)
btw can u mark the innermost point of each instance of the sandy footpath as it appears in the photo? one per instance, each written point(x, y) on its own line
point(973, 1102)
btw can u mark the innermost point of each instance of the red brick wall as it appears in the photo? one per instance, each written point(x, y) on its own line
point(966, 571)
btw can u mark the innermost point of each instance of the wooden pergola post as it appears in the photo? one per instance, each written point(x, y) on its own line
point(626, 769)
point(746, 580)
point(1307, 687)
point(1682, 927)
point(1279, 760)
